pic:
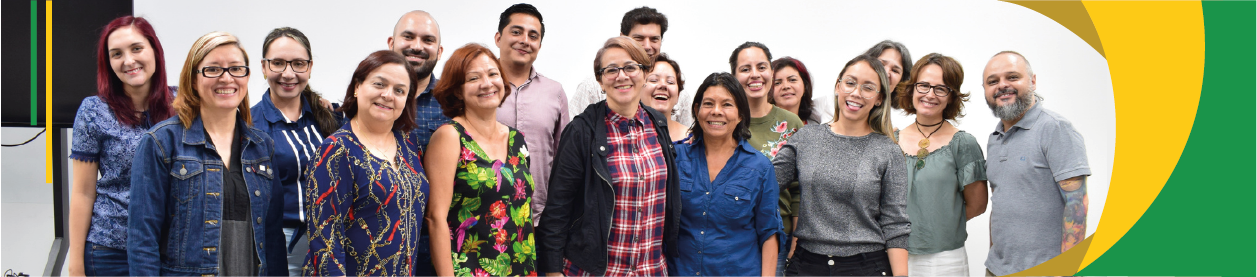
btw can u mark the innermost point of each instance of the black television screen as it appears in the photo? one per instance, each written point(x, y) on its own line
point(76, 27)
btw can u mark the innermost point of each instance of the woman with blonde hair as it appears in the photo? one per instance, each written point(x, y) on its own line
point(204, 199)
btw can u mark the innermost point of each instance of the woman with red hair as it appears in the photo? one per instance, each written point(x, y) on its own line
point(131, 96)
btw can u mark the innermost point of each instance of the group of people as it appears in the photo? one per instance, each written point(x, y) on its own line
point(491, 170)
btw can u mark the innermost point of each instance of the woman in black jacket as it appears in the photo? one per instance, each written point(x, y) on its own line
point(614, 197)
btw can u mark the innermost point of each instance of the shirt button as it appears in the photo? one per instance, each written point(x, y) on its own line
point(600, 148)
point(735, 198)
point(702, 232)
point(708, 192)
point(259, 220)
point(831, 262)
point(257, 193)
point(248, 169)
point(704, 213)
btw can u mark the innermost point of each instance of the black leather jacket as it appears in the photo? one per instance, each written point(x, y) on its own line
point(576, 224)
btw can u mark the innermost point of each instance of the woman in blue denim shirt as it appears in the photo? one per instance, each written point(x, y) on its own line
point(204, 200)
point(729, 220)
point(131, 96)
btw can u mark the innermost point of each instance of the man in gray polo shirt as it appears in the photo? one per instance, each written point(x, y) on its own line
point(1037, 166)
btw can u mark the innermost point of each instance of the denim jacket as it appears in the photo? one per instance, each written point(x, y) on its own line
point(176, 201)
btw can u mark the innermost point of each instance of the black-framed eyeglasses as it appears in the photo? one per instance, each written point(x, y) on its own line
point(939, 90)
point(215, 72)
point(278, 65)
point(629, 69)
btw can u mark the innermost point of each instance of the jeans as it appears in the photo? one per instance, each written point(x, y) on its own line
point(781, 255)
point(296, 257)
point(806, 263)
point(99, 260)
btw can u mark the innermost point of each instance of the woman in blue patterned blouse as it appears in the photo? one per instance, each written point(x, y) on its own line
point(367, 191)
point(131, 96)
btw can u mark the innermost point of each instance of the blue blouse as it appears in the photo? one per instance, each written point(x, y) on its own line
point(296, 143)
point(99, 138)
point(364, 213)
point(725, 222)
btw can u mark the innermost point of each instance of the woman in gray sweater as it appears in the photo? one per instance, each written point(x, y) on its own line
point(852, 219)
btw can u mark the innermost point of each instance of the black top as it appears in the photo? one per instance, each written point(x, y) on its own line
point(235, 192)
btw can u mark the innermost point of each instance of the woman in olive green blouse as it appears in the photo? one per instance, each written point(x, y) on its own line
point(946, 169)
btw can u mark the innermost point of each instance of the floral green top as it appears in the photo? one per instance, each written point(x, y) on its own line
point(490, 217)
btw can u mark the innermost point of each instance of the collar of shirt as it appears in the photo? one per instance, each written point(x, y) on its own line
point(1027, 120)
point(272, 113)
point(532, 76)
point(743, 146)
point(431, 84)
point(639, 118)
point(196, 134)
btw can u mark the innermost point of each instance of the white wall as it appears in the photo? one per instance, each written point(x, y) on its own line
point(824, 35)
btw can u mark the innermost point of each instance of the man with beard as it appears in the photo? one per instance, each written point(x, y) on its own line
point(537, 105)
point(418, 37)
point(1037, 167)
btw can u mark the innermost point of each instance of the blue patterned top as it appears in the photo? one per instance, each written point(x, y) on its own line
point(99, 138)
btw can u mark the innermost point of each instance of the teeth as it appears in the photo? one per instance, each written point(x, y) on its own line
point(854, 104)
point(755, 85)
point(225, 91)
point(716, 123)
point(382, 106)
point(661, 97)
point(133, 70)
point(624, 87)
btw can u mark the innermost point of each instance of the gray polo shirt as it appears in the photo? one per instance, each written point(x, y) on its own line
point(1023, 167)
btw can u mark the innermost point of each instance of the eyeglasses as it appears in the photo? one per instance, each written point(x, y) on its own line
point(850, 85)
point(215, 72)
point(277, 65)
point(939, 90)
point(611, 71)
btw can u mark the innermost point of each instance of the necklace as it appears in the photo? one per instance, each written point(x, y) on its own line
point(925, 142)
point(385, 155)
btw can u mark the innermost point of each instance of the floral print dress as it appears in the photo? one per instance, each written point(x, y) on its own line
point(490, 219)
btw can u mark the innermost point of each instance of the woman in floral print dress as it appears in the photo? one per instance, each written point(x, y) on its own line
point(480, 218)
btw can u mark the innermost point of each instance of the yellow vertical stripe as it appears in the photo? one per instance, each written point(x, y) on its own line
point(48, 92)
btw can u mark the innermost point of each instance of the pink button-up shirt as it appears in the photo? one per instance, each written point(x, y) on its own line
point(538, 109)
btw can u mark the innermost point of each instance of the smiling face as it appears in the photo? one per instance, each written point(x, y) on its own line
point(754, 72)
point(717, 113)
point(382, 95)
point(661, 90)
point(893, 62)
point(131, 58)
point(1009, 86)
point(225, 92)
point(649, 36)
point(418, 38)
point(857, 92)
point(288, 83)
point(622, 88)
point(520, 41)
point(929, 105)
point(483, 87)
point(787, 88)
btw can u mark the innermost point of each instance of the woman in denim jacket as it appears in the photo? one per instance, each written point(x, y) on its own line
point(204, 200)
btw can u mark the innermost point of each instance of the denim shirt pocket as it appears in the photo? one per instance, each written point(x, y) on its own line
point(187, 178)
point(735, 199)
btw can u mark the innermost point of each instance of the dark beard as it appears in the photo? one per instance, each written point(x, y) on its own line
point(1012, 111)
point(423, 70)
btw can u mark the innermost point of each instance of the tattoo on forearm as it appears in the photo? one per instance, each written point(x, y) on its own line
point(1074, 191)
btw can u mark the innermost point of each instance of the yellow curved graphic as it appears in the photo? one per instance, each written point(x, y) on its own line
point(1156, 53)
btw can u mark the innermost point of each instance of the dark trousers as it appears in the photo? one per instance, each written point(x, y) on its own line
point(806, 263)
point(99, 260)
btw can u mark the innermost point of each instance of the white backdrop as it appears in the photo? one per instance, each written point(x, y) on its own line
point(1073, 77)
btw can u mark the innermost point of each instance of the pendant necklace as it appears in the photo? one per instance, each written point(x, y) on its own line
point(925, 142)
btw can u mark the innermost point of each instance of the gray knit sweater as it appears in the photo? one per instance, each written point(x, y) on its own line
point(854, 191)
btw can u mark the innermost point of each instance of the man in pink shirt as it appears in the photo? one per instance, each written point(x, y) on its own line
point(537, 106)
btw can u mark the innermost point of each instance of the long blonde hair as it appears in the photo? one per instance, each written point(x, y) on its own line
point(188, 102)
